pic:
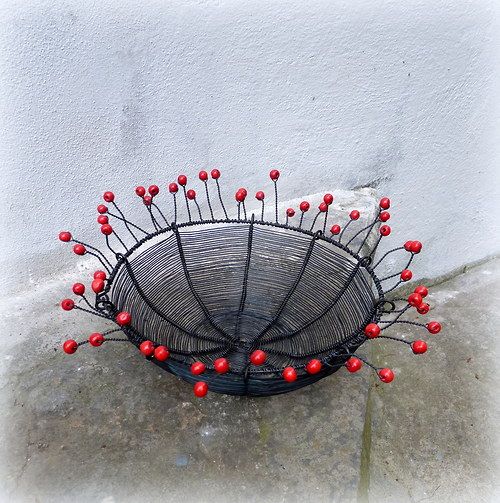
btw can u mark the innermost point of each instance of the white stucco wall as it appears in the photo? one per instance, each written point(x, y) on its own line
point(401, 96)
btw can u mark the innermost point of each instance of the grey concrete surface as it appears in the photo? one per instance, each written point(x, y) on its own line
point(102, 425)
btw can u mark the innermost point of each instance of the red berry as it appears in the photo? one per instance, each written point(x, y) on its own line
point(384, 216)
point(147, 348)
point(423, 308)
point(433, 327)
point(67, 304)
point(328, 199)
point(154, 190)
point(198, 368)
point(215, 174)
point(102, 219)
point(123, 318)
point(65, 236)
point(70, 346)
point(161, 353)
point(289, 374)
point(419, 347)
point(406, 275)
point(372, 330)
point(102, 208)
point(385, 203)
point(274, 175)
point(313, 366)
point(353, 364)
point(203, 176)
point(416, 247)
point(354, 215)
point(242, 189)
point(259, 195)
point(200, 389)
point(407, 245)
point(78, 288)
point(182, 179)
point(304, 206)
point(191, 194)
point(108, 196)
point(323, 207)
point(106, 229)
point(147, 200)
point(173, 188)
point(96, 339)
point(385, 230)
point(290, 212)
point(99, 275)
point(335, 229)
point(140, 191)
point(415, 299)
point(386, 375)
point(221, 365)
point(79, 249)
point(240, 196)
point(258, 357)
point(97, 285)
point(422, 290)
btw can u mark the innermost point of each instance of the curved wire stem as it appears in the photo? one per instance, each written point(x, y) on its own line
point(124, 220)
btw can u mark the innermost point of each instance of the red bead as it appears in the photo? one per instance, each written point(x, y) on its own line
point(173, 188)
point(67, 304)
point(385, 203)
point(433, 327)
point(108, 196)
point(407, 245)
point(372, 330)
point(96, 339)
point(328, 199)
point(140, 191)
point(161, 353)
point(385, 230)
point(203, 176)
point(65, 236)
point(290, 212)
point(147, 348)
point(259, 195)
point(415, 299)
point(182, 179)
point(353, 364)
point(386, 375)
point(97, 285)
point(354, 215)
point(215, 174)
point(258, 357)
point(154, 190)
point(419, 347)
point(304, 206)
point(242, 189)
point(78, 288)
point(221, 365)
point(147, 200)
point(384, 216)
point(100, 275)
point(240, 196)
point(198, 368)
point(123, 318)
point(274, 175)
point(70, 346)
point(335, 229)
point(102, 208)
point(416, 247)
point(106, 229)
point(406, 275)
point(191, 194)
point(323, 207)
point(289, 374)
point(313, 366)
point(200, 389)
point(79, 249)
point(423, 308)
point(422, 290)
point(102, 219)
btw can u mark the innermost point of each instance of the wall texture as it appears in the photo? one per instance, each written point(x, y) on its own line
point(399, 96)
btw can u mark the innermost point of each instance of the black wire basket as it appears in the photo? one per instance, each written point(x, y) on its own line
point(243, 305)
